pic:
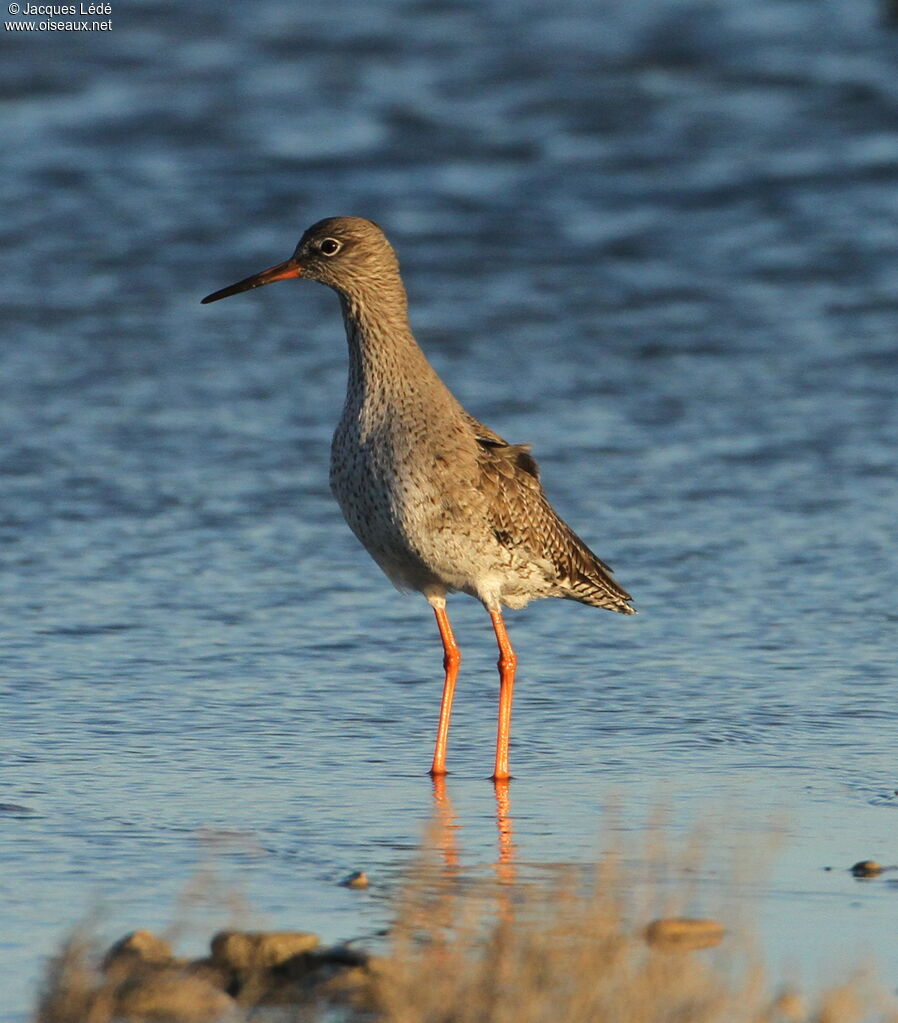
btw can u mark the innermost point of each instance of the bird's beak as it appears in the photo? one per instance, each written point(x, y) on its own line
point(282, 272)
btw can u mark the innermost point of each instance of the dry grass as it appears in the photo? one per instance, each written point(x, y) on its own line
point(568, 949)
point(574, 949)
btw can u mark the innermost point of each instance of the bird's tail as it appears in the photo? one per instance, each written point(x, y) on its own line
point(591, 583)
point(598, 593)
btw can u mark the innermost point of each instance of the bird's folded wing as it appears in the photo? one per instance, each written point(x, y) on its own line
point(523, 518)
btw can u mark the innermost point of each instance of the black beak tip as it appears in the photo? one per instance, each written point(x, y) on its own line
point(232, 289)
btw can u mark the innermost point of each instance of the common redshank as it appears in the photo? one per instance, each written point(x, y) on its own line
point(440, 501)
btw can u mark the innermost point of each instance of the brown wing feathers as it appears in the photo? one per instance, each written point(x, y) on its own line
point(524, 518)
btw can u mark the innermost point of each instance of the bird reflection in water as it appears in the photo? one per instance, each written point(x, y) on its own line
point(447, 901)
point(446, 827)
point(505, 867)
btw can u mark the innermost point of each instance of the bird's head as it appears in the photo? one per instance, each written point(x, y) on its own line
point(349, 254)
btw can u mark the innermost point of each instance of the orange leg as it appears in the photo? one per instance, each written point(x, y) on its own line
point(507, 664)
point(451, 661)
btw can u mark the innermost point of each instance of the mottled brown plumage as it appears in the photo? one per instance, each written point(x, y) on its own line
point(524, 521)
point(440, 501)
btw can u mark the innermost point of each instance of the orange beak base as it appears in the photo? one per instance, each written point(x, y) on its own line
point(282, 272)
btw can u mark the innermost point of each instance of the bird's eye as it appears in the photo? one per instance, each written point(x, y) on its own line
point(330, 247)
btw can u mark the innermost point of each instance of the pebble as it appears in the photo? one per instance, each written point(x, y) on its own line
point(136, 949)
point(866, 868)
point(259, 950)
point(684, 932)
point(357, 879)
point(144, 982)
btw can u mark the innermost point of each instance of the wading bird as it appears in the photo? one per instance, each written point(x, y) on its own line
point(440, 501)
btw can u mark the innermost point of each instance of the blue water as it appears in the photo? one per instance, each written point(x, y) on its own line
point(657, 239)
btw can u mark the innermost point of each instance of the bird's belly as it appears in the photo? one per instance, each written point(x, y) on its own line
point(421, 542)
point(425, 520)
point(379, 506)
point(403, 513)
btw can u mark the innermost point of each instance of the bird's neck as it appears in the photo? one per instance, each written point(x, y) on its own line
point(384, 357)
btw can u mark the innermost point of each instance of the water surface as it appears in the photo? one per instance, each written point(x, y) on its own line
point(657, 240)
